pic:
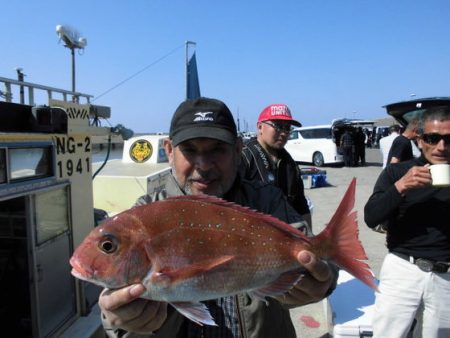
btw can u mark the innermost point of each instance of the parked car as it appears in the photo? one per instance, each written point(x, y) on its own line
point(319, 145)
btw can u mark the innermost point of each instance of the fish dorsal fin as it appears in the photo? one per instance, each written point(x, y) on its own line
point(280, 286)
point(207, 199)
point(197, 312)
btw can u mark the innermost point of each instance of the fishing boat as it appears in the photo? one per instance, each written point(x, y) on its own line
point(52, 195)
point(46, 209)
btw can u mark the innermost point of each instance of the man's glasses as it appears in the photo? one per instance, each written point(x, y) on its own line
point(435, 138)
point(278, 128)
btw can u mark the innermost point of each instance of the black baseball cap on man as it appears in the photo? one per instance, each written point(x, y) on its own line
point(202, 117)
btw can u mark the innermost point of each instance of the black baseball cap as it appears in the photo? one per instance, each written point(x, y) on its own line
point(202, 117)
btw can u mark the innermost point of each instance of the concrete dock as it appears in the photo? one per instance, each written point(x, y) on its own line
point(311, 321)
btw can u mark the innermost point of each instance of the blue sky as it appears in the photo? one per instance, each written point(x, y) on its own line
point(325, 59)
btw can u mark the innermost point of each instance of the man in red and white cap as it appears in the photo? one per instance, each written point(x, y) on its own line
point(265, 158)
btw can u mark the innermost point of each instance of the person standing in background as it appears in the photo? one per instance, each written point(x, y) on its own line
point(264, 158)
point(386, 142)
point(415, 149)
point(401, 149)
point(360, 147)
point(347, 145)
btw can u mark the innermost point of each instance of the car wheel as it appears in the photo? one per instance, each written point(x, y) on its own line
point(318, 159)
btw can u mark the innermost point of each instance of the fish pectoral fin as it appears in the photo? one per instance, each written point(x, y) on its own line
point(280, 286)
point(168, 275)
point(197, 312)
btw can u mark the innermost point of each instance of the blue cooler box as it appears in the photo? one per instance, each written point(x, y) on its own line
point(352, 305)
point(313, 177)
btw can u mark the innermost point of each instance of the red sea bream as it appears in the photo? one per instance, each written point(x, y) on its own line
point(188, 249)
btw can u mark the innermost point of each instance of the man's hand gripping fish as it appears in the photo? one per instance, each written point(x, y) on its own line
point(193, 248)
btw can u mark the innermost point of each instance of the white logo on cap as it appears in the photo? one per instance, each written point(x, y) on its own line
point(279, 110)
point(202, 116)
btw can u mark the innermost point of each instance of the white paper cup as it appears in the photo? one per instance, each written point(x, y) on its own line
point(440, 173)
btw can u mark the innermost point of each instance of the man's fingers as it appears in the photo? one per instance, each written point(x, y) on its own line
point(123, 316)
point(318, 269)
point(112, 299)
point(308, 290)
point(151, 318)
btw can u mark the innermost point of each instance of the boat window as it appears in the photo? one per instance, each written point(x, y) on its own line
point(12, 219)
point(2, 165)
point(30, 162)
point(316, 133)
point(52, 214)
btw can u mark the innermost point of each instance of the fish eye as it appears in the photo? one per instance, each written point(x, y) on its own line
point(108, 244)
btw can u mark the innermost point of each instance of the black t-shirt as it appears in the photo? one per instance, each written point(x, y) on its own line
point(418, 223)
point(401, 148)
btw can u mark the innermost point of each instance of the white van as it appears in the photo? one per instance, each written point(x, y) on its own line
point(319, 145)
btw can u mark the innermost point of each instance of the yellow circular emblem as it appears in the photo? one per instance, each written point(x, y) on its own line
point(141, 151)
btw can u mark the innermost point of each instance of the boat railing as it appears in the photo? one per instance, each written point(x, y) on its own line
point(15, 86)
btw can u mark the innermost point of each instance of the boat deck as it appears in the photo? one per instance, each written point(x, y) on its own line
point(118, 168)
point(118, 185)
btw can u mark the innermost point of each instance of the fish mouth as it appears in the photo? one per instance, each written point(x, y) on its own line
point(82, 277)
point(78, 271)
point(78, 275)
point(81, 273)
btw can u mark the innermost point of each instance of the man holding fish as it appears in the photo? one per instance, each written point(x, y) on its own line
point(232, 271)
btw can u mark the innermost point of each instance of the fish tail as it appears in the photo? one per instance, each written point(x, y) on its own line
point(339, 241)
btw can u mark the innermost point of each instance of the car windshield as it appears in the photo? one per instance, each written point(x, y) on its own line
point(413, 114)
point(316, 133)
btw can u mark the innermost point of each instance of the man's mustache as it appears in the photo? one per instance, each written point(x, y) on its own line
point(206, 176)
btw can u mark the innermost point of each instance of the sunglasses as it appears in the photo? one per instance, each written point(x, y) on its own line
point(434, 138)
point(278, 128)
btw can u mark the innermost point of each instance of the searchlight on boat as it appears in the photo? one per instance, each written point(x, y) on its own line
point(72, 40)
point(122, 131)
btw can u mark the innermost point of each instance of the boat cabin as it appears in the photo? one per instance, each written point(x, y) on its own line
point(46, 210)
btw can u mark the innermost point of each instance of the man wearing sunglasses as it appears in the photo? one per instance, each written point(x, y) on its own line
point(264, 158)
point(415, 275)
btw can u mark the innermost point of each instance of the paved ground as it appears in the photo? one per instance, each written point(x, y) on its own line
point(309, 320)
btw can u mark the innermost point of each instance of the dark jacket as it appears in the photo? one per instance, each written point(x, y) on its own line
point(347, 140)
point(418, 222)
point(256, 318)
point(256, 165)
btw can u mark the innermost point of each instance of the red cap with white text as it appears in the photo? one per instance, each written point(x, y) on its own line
point(278, 112)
